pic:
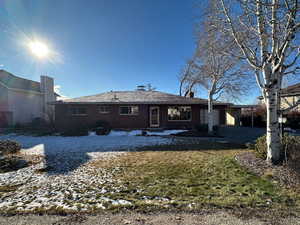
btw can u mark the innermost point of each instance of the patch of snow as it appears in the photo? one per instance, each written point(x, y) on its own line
point(121, 202)
point(288, 129)
point(165, 132)
point(64, 177)
point(90, 145)
point(92, 133)
point(115, 133)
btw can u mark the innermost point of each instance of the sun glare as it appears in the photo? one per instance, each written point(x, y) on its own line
point(39, 49)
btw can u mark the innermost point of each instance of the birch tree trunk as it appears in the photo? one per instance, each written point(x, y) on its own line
point(270, 44)
point(210, 114)
point(273, 132)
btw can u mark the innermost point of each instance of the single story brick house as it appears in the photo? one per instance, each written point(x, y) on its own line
point(139, 109)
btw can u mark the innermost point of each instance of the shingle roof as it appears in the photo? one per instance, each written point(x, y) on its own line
point(12, 81)
point(135, 97)
point(291, 90)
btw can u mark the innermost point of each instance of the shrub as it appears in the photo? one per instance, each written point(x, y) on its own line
point(290, 149)
point(9, 147)
point(260, 147)
point(76, 129)
point(102, 127)
point(101, 131)
point(12, 163)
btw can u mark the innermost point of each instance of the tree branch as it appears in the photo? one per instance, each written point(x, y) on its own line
point(234, 34)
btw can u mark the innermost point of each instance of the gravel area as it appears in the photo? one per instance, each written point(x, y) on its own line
point(64, 179)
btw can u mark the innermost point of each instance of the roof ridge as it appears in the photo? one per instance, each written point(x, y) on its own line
point(136, 96)
point(12, 81)
point(21, 78)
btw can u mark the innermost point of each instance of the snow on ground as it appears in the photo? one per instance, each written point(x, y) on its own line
point(79, 190)
point(67, 180)
point(139, 132)
point(165, 132)
point(92, 144)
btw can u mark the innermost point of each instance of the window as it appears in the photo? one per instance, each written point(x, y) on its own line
point(129, 110)
point(78, 111)
point(104, 109)
point(179, 113)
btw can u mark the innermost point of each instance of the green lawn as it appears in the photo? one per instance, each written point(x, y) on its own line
point(194, 180)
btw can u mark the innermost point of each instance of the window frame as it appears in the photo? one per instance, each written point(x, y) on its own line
point(122, 114)
point(182, 106)
point(104, 106)
point(78, 114)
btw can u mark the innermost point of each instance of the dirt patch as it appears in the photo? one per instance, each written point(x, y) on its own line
point(203, 218)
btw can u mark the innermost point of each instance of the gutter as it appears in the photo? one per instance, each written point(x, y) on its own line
point(135, 103)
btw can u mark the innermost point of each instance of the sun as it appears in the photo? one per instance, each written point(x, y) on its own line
point(39, 49)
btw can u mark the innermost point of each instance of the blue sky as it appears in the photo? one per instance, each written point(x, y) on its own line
point(100, 45)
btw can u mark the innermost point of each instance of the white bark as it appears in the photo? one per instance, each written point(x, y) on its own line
point(276, 27)
point(210, 113)
point(273, 132)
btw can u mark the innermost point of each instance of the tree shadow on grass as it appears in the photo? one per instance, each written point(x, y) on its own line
point(64, 163)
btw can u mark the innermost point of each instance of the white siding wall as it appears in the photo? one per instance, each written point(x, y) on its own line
point(24, 105)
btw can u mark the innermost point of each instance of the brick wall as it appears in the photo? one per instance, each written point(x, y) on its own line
point(63, 117)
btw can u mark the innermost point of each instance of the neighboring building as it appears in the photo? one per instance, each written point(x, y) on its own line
point(290, 96)
point(137, 109)
point(22, 100)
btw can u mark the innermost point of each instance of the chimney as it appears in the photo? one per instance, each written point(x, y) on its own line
point(47, 88)
point(191, 94)
point(141, 88)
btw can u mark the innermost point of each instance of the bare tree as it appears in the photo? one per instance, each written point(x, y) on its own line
point(212, 68)
point(186, 82)
point(221, 75)
point(266, 32)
